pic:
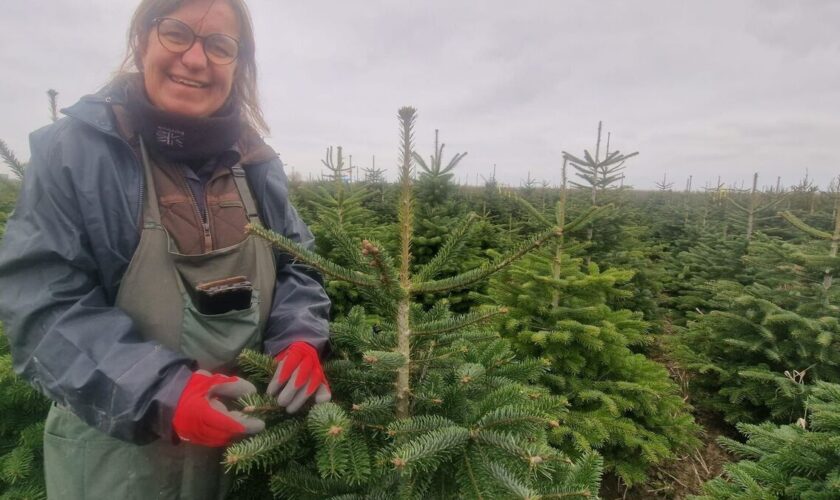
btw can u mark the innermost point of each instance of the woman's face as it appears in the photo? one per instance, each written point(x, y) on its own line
point(188, 83)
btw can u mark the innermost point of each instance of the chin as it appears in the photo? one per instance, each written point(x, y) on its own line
point(186, 108)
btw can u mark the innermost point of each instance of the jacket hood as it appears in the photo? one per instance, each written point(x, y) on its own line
point(94, 109)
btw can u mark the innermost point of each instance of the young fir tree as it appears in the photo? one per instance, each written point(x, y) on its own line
point(753, 360)
point(438, 211)
point(21, 434)
point(753, 208)
point(337, 205)
point(829, 264)
point(426, 403)
point(620, 403)
point(620, 239)
point(10, 159)
point(794, 275)
point(788, 462)
point(381, 200)
point(692, 273)
point(598, 174)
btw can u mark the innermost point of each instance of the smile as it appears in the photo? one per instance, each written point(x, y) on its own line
point(187, 82)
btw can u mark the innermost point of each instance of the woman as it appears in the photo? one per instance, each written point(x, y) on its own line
point(127, 282)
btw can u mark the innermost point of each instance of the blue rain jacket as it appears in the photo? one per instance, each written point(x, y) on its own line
point(66, 247)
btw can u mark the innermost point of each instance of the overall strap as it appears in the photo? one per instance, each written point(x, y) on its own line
point(245, 193)
point(151, 210)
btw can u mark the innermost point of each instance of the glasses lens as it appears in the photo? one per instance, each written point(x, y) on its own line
point(220, 49)
point(175, 35)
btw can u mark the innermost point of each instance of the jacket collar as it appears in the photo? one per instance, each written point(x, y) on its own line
point(103, 111)
point(95, 109)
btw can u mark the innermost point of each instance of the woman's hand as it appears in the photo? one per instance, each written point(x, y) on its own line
point(299, 375)
point(201, 418)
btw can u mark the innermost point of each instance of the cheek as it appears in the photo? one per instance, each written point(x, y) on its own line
point(226, 79)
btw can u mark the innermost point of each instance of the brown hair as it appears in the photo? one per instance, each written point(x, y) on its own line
point(245, 80)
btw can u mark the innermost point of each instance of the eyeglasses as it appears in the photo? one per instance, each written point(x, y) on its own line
point(177, 37)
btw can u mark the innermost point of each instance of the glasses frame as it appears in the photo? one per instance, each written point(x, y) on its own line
point(158, 20)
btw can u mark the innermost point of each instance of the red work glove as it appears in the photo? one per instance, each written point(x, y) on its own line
point(299, 375)
point(202, 419)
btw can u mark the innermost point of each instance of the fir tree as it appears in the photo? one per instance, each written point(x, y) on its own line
point(830, 263)
point(337, 205)
point(620, 403)
point(21, 434)
point(598, 174)
point(753, 360)
point(691, 273)
point(798, 461)
point(438, 211)
point(426, 403)
point(752, 209)
point(16, 166)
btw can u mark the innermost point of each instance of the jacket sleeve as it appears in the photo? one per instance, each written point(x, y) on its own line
point(300, 308)
point(66, 338)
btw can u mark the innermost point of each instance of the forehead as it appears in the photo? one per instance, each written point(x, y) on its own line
point(208, 16)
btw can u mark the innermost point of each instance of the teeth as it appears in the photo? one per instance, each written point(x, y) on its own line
point(189, 83)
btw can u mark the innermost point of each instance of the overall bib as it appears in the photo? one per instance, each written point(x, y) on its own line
point(156, 292)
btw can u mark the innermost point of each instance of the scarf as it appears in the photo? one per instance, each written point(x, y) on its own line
point(180, 138)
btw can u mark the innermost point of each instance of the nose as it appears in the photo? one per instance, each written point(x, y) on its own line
point(195, 58)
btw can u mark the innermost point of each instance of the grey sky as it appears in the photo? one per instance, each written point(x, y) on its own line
point(701, 88)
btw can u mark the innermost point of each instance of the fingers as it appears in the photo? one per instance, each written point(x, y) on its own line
point(297, 401)
point(293, 397)
point(290, 361)
point(251, 424)
point(305, 372)
point(275, 385)
point(229, 422)
point(288, 393)
point(323, 394)
point(235, 389)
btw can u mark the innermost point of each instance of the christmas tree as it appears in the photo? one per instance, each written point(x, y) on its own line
point(754, 360)
point(338, 206)
point(21, 433)
point(799, 461)
point(427, 403)
point(620, 403)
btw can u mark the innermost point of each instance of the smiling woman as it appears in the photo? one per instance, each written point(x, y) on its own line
point(178, 74)
point(128, 285)
point(154, 52)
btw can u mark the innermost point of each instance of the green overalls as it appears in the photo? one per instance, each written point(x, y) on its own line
point(84, 463)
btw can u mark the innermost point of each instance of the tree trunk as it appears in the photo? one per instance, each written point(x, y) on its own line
point(403, 347)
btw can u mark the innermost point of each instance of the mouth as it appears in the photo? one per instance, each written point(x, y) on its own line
point(188, 83)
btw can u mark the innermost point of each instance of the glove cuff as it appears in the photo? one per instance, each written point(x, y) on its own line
point(303, 347)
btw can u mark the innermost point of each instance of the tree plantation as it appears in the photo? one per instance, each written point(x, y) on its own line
point(572, 339)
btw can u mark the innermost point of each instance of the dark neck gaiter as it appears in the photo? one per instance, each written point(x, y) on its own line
point(182, 138)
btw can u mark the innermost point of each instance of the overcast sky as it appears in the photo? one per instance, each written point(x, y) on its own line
point(702, 88)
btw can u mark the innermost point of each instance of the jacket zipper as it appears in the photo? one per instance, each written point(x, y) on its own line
point(140, 223)
point(205, 222)
point(138, 164)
